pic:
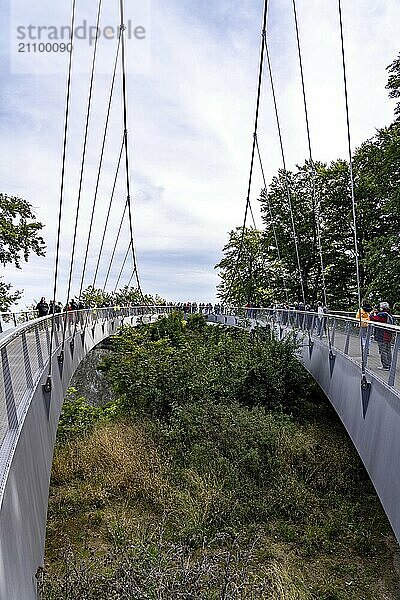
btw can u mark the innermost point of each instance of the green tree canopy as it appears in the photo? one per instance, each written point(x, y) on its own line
point(376, 168)
point(127, 295)
point(245, 274)
point(19, 231)
point(393, 84)
point(19, 237)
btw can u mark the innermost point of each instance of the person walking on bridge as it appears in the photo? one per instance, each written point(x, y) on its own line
point(43, 307)
point(363, 319)
point(382, 336)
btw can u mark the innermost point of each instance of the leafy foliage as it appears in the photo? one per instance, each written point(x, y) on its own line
point(18, 231)
point(127, 295)
point(169, 363)
point(244, 271)
point(394, 83)
point(376, 168)
point(7, 298)
point(19, 237)
point(78, 417)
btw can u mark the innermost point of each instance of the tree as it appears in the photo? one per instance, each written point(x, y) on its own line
point(127, 295)
point(19, 237)
point(376, 169)
point(329, 203)
point(7, 299)
point(377, 164)
point(244, 272)
point(18, 231)
point(393, 83)
point(96, 297)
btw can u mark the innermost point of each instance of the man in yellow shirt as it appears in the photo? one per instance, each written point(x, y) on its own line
point(362, 317)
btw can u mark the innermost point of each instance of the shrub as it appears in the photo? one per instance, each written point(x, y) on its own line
point(78, 417)
point(170, 363)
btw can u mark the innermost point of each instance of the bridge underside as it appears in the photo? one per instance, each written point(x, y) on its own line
point(371, 418)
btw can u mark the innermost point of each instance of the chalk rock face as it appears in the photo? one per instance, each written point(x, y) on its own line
point(90, 382)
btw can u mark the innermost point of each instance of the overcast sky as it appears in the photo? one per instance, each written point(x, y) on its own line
point(192, 90)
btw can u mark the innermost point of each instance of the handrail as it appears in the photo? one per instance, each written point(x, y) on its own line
point(11, 334)
point(394, 328)
point(25, 352)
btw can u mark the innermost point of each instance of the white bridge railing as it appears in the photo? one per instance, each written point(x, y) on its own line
point(377, 343)
point(24, 351)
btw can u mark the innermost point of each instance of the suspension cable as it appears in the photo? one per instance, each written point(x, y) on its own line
point(353, 197)
point(247, 207)
point(286, 183)
point(252, 216)
point(108, 214)
point(99, 171)
point(278, 252)
point(83, 160)
point(115, 246)
point(127, 165)
point(316, 213)
point(130, 280)
point(123, 266)
point(62, 187)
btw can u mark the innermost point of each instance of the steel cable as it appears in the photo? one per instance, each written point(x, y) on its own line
point(115, 246)
point(82, 168)
point(315, 206)
point(286, 183)
point(62, 188)
point(123, 266)
point(278, 252)
point(260, 73)
point(108, 214)
point(127, 165)
point(353, 197)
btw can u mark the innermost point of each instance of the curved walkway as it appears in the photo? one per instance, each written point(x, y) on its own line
point(29, 414)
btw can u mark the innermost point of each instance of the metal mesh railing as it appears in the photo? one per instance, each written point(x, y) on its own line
point(378, 342)
point(10, 320)
point(25, 348)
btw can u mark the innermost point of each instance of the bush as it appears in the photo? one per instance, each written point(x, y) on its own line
point(217, 436)
point(78, 417)
point(170, 363)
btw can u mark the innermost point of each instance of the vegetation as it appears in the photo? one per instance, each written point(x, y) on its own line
point(219, 472)
point(127, 295)
point(19, 237)
point(257, 275)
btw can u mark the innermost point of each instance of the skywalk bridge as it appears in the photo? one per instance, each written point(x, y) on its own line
point(39, 356)
point(329, 347)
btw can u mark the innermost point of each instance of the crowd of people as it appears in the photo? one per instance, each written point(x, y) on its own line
point(202, 308)
point(366, 315)
point(45, 308)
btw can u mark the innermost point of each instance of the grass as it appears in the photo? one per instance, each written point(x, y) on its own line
point(313, 529)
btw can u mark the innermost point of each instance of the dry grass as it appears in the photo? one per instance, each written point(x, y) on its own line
point(116, 458)
point(135, 528)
